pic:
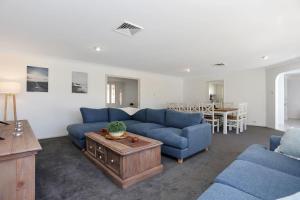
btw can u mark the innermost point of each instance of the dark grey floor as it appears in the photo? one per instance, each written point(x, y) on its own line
point(64, 173)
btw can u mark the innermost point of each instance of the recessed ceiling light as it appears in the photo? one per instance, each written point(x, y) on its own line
point(97, 49)
point(265, 57)
point(187, 70)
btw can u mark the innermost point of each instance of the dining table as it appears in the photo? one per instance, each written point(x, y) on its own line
point(225, 112)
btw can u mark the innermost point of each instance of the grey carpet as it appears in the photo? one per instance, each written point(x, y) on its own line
point(62, 171)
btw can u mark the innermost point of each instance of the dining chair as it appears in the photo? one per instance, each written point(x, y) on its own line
point(244, 114)
point(208, 111)
point(237, 121)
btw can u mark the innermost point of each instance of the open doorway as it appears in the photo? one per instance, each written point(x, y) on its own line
point(287, 102)
point(216, 91)
point(122, 92)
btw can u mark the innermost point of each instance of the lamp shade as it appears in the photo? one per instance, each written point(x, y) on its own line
point(10, 87)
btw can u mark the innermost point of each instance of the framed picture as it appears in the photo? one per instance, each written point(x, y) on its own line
point(37, 79)
point(79, 82)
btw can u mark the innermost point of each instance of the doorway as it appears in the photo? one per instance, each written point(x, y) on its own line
point(216, 91)
point(122, 92)
point(287, 101)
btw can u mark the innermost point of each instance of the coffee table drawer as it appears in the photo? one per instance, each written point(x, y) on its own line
point(101, 156)
point(100, 148)
point(91, 147)
point(113, 161)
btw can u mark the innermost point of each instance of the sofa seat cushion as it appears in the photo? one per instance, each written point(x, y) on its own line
point(157, 116)
point(142, 128)
point(90, 115)
point(78, 130)
point(182, 120)
point(259, 181)
point(260, 155)
point(169, 136)
point(116, 114)
point(219, 191)
point(130, 122)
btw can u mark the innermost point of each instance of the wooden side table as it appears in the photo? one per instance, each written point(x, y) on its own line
point(17, 163)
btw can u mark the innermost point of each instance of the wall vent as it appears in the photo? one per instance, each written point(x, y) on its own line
point(219, 64)
point(129, 29)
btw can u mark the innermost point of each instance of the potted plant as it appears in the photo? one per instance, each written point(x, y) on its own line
point(116, 128)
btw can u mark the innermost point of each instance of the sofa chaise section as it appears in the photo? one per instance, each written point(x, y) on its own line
point(94, 120)
point(219, 191)
point(77, 131)
point(259, 181)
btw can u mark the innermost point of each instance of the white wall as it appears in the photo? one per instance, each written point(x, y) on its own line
point(293, 98)
point(50, 113)
point(239, 86)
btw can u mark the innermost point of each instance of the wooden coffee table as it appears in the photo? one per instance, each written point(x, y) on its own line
point(125, 162)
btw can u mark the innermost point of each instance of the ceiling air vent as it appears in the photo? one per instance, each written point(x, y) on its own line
point(219, 65)
point(129, 29)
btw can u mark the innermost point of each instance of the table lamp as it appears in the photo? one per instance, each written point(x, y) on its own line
point(10, 89)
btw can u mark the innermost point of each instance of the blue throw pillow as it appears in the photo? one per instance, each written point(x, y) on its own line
point(156, 116)
point(90, 115)
point(181, 120)
point(140, 115)
point(118, 115)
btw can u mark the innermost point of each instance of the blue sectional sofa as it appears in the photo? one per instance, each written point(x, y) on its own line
point(257, 174)
point(182, 134)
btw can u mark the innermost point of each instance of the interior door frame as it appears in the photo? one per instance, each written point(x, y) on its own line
point(124, 77)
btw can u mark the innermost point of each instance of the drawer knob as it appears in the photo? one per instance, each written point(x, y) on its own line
point(112, 161)
point(99, 148)
point(91, 147)
point(100, 157)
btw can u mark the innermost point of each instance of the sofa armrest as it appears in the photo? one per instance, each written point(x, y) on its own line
point(274, 142)
point(198, 135)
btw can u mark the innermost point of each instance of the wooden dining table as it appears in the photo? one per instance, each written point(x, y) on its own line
point(225, 112)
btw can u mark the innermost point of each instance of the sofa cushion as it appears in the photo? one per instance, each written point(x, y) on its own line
point(169, 136)
point(140, 115)
point(90, 115)
point(290, 143)
point(259, 181)
point(130, 122)
point(219, 191)
point(260, 155)
point(78, 130)
point(182, 120)
point(116, 114)
point(142, 128)
point(156, 116)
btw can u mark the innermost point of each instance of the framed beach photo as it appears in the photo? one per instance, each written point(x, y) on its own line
point(79, 82)
point(37, 79)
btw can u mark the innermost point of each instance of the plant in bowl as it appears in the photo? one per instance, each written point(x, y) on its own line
point(116, 128)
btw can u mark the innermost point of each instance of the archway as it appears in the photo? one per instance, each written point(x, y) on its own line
point(281, 100)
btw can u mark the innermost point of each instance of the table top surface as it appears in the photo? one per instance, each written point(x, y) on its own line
point(123, 149)
point(225, 109)
point(26, 142)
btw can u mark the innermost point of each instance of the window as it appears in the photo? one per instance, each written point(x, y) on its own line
point(110, 93)
point(113, 93)
point(121, 97)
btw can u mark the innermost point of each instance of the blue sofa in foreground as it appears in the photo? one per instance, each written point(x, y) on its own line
point(182, 134)
point(257, 173)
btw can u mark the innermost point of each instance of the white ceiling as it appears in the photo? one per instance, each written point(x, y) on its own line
point(177, 34)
